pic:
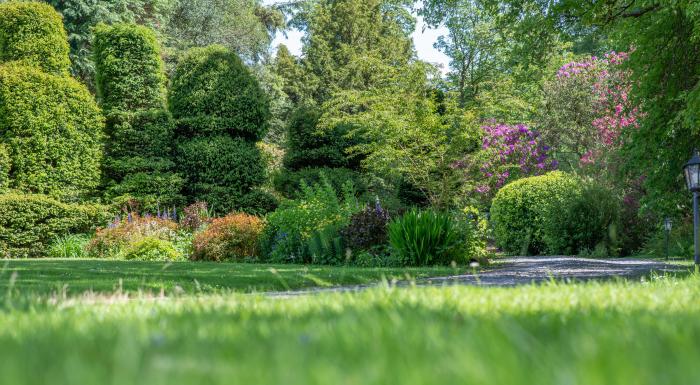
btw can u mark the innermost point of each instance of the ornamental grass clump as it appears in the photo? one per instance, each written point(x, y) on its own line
point(421, 238)
point(233, 237)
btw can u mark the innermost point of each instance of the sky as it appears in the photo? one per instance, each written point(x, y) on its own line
point(423, 40)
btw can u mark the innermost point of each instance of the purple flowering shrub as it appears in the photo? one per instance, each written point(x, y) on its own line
point(509, 152)
point(366, 228)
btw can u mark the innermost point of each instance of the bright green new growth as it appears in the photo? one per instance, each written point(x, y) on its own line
point(130, 72)
point(213, 93)
point(33, 34)
point(29, 224)
point(52, 129)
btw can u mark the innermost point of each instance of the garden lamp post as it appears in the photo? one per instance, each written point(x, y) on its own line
point(692, 179)
point(667, 226)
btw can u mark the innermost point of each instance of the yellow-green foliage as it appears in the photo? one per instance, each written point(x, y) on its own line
point(30, 223)
point(4, 167)
point(520, 209)
point(52, 128)
point(130, 72)
point(33, 34)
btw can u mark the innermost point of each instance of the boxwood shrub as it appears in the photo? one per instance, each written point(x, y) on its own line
point(30, 223)
point(32, 33)
point(520, 209)
point(52, 129)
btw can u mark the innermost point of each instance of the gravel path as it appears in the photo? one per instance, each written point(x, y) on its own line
point(526, 270)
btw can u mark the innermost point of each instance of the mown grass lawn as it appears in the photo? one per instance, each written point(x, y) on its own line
point(589, 333)
point(43, 276)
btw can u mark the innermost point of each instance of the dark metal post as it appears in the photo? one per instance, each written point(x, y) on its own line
point(696, 225)
point(666, 229)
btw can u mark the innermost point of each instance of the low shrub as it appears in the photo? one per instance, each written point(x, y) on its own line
point(367, 228)
point(293, 223)
point(30, 223)
point(123, 233)
point(421, 238)
point(195, 216)
point(520, 209)
point(327, 247)
point(69, 246)
point(586, 221)
point(151, 249)
point(233, 237)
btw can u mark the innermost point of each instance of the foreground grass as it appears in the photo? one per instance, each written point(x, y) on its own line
point(588, 334)
point(76, 276)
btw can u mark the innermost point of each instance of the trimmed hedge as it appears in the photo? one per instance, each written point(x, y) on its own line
point(520, 209)
point(53, 131)
point(33, 34)
point(213, 93)
point(4, 168)
point(130, 74)
point(220, 170)
point(140, 131)
point(30, 223)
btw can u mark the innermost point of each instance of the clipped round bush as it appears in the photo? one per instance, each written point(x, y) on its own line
point(586, 221)
point(151, 249)
point(32, 33)
point(214, 93)
point(233, 237)
point(220, 170)
point(422, 238)
point(52, 129)
point(288, 183)
point(29, 224)
point(520, 210)
point(130, 73)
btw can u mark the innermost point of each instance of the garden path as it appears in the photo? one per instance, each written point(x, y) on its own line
point(513, 271)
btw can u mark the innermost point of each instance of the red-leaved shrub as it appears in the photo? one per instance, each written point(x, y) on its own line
point(232, 237)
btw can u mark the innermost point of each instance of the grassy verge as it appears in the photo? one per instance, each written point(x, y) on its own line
point(76, 276)
point(593, 333)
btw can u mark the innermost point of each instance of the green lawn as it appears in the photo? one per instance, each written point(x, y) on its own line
point(76, 276)
point(588, 334)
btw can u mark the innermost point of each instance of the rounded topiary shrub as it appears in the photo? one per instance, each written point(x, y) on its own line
point(130, 73)
point(220, 170)
point(214, 93)
point(520, 209)
point(30, 223)
point(52, 129)
point(33, 34)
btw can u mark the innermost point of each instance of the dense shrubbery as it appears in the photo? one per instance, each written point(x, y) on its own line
point(30, 223)
point(233, 237)
point(141, 237)
point(556, 214)
point(220, 111)
point(131, 90)
point(288, 183)
point(213, 93)
point(367, 228)
point(291, 226)
point(52, 129)
point(220, 170)
point(520, 209)
point(585, 222)
point(33, 34)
